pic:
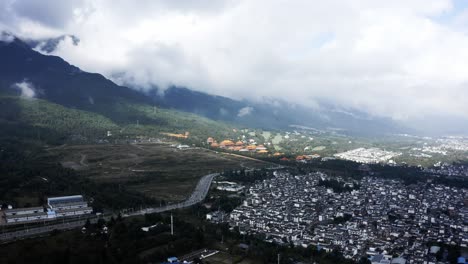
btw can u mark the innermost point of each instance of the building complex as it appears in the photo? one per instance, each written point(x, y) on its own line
point(57, 207)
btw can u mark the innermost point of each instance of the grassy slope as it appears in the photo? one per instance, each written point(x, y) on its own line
point(36, 118)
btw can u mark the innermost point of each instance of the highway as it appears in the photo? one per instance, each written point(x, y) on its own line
point(198, 195)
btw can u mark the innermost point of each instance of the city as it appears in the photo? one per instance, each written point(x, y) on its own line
point(377, 218)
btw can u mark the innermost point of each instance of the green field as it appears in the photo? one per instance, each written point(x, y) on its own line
point(266, 135)
point(319, 148)
point(157, 170)
point(277, 139)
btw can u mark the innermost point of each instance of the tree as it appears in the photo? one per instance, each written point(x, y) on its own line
point(87, 224)
point(364, 260)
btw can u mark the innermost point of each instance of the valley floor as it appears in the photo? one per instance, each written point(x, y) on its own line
point(159, 171)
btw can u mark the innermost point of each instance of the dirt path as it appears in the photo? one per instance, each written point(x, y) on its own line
point(82, 160)
point(243, 157)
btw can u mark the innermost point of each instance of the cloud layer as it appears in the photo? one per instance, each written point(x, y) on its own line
point(26, 88)
point(245, 111)
point(403, 59)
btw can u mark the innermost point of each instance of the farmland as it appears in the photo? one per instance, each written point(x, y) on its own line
point(156, 170)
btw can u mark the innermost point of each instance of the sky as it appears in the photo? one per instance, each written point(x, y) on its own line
point(404, 59)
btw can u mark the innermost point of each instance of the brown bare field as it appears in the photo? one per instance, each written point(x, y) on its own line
point(157, 170)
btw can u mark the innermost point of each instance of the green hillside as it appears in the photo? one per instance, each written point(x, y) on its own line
point(45, 121)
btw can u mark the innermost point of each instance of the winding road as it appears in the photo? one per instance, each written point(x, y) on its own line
point(198, 195)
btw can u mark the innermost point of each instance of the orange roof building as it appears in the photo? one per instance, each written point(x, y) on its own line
point(251, 147)
point(239, 143)
point(263, 151)
point(176, 135)
point(214, 145)
point(226, 143)
point(300, 158)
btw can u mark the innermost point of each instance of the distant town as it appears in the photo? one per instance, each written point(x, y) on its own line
point(371, 155)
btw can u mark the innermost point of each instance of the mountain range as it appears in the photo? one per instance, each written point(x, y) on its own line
point(54, 80)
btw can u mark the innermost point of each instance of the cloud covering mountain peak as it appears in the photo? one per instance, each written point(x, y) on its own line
point(399, 59)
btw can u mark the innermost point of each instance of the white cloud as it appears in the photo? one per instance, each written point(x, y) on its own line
point(26, 88)
point(389, 58)
point(245, 111)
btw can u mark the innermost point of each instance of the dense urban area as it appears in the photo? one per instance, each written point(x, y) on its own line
point(381, 219)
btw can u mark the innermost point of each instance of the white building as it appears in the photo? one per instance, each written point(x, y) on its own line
point(66, 206)
point(25, 214)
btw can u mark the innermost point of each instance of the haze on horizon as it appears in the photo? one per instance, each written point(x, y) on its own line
point(404, 59)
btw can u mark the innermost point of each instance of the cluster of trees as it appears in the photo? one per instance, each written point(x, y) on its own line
point(49, 122)
point(52, 123)
point(448, 253)
point(244, 176)
point(64, 120)
point(337, 186)
point(223, 201)
point(129, 242)
point(342, 219)
point(268, 253)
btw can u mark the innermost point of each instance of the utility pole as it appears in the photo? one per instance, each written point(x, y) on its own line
point(278, 258)
point(172, 225)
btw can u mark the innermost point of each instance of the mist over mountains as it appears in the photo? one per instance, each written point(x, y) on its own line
point(52, 78)
point(49, 45)
point(383, 59)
